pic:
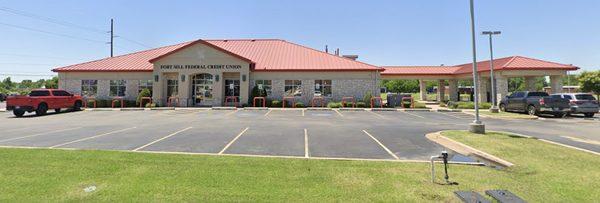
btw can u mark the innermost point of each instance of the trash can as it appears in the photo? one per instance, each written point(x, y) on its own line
point(392, 100)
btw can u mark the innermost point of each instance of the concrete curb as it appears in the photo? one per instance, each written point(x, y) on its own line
point(161, 108)
point(383, 109)
point(256, 108)
point(505, 118)
point(319, 109)
point(224, 108)
point(351, 109)
point(466, 150)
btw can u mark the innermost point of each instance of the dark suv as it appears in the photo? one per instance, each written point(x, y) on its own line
point(581, 103)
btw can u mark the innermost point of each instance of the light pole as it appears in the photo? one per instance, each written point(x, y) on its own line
point(477, 126)
point(494, 108)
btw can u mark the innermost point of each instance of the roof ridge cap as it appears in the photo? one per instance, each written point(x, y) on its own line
point(540, 60)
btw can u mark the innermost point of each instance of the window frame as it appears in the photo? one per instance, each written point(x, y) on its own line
point(121, 86)
point(268, 88)
point(86, 85)
point(175, 86)
point(148, 85)
point(322, 88)
point(295, 85)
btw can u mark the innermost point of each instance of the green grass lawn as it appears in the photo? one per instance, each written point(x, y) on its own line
point(544, 172)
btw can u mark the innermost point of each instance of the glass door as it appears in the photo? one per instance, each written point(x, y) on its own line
point(202, 86)
point(232, 88)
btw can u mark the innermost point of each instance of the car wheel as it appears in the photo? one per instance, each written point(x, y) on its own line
point(589, 115)
point(77, 106)
point(502, 107)
point(57, 110)
point(41, 110)
point(19, 112)
point(531, 110)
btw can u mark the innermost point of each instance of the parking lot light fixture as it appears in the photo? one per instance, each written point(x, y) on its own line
point(494, 108)
point(477, 126)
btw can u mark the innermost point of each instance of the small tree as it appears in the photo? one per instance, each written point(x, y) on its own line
point(144, 93)
point(52, 83)
point(367, 97)
point(590, 82)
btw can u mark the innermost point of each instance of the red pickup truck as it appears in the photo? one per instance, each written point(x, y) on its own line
point(40, 100)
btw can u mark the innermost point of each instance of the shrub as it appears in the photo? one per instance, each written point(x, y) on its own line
point(467, 105)
point(361, 105)
point(144, 93)
point(275, 103)
point(150, 105)
point(419, 105)
point(367, 97)
point(334, 105)
point(299, 105)
point(257, 93)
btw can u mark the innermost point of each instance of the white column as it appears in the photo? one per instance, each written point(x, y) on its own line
point(453, 89)
point(556, 84)
point(530, 83)
point(441, 90)
point(501, 87)
point(423, 90)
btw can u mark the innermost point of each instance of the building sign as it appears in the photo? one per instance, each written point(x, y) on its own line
point(192, 67)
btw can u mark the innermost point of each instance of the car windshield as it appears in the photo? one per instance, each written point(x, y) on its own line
point(537, 94)
point(39, 93)
point(584, 97)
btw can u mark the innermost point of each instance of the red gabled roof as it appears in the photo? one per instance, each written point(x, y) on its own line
point(265, 54)
point(506, 63)
point(419, 70)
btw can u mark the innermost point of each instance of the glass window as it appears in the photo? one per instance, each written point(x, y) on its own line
point(89, 88)
point(537, 94)
point(117, 88)
point(39, 93)
point(293, 88)
point(585, 97)
point(323, 88)
point(172, 88)
point(145, 84)
point(568, 97)
point(265, 84)
point(61, 93)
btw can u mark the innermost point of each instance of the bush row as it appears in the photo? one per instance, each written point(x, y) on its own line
point(467, 105)
point(106, 103)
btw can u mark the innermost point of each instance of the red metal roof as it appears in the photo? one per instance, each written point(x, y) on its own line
point(265, 54)
point(419, 70)
point(507, 63)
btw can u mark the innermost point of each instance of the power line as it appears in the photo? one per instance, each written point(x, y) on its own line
point(31, 64)
point(67, 24)
point(38, 56)
point(51, 33)
point(51, 20)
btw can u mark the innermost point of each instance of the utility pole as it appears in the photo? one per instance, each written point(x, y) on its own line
point(112, 36)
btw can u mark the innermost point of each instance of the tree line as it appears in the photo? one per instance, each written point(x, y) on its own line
point(7, 86)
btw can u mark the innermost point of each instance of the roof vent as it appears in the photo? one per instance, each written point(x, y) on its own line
point(225, 40)
point(253, 40)
point(353, 57)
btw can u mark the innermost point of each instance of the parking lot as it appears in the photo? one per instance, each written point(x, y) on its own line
point(380, 135)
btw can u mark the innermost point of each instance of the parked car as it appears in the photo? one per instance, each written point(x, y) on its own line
point(581, 103)
point(535, 103)
point(40, 100)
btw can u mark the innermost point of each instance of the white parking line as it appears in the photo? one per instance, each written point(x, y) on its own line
point(92, 137)
point(378, 115)
point(305, 143)
point(268, 112)
point(48, 132)
point(381, 144)
point(302, 112)
point(232, 141)
point(450, 115)
point(412, 114)
point(338, 112)
point(227, 114)
point(594, 142)
point(165, 137)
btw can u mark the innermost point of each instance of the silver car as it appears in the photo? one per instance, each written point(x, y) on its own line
point(582, 103)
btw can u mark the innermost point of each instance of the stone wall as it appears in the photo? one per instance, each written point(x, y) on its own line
point(340, 88)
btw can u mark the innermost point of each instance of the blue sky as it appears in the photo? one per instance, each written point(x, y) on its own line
point(416, 32)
